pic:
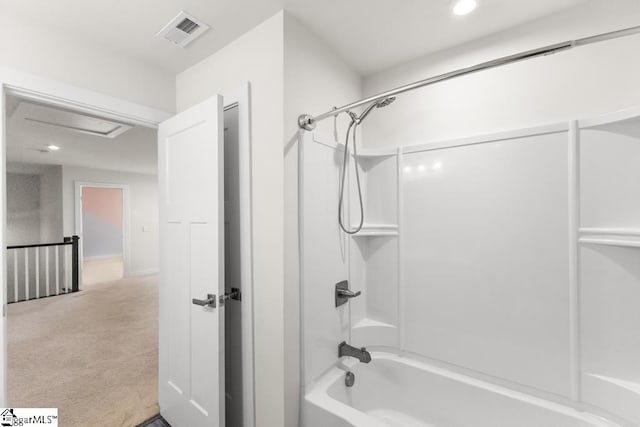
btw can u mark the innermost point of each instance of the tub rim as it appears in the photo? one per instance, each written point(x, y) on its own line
point(318, 393)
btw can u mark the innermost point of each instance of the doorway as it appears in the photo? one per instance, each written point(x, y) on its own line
point(16, 83)
point(101, 217)
point(233, 271)
point(90, 351)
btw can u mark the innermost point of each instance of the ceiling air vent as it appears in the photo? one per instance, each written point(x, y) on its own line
point(183, 29)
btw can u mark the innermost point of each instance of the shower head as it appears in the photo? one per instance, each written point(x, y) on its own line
point(376, 104)
point(385, 101)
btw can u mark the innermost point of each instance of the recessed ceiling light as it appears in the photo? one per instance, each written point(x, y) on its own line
point(463, 7)
point(53, 147)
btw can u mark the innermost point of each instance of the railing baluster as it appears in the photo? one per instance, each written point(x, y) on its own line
point(75, 270)
point(57, 270)
point(15, 275)
point(26, 274)
point(37, 272)
point(46, 268)
point(65, 251)
point(66, 281)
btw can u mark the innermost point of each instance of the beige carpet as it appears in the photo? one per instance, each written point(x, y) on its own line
point(92, 354)
point(102, 270)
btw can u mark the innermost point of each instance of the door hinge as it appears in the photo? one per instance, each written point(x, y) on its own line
point(234, 295)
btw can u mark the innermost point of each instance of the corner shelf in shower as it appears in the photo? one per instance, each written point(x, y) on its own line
point(631, 386)
point(367, 323)
point(376, 153)
point(625, 122)
point(620, 237)
point(370, 159)
point(375, 230)
point(616, 395)
point(369, 331)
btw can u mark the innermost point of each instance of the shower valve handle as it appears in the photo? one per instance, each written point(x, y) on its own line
point(348, 293)
point(343, 293)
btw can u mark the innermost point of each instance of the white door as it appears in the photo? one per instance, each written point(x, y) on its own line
point(190, 169)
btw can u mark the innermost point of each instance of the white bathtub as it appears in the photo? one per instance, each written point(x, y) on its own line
point(401, 392)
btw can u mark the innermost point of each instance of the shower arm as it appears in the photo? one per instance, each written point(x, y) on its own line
point(308, 122)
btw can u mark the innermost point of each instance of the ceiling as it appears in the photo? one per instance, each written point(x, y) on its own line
point(133, 151)
point(369, 34)
point(372, 35)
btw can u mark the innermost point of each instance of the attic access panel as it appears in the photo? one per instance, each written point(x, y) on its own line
point(72, 121)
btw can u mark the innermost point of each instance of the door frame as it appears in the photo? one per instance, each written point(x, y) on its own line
point(126, 224)
point(32, 87)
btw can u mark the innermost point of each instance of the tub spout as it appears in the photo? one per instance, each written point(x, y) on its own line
point(361, 354)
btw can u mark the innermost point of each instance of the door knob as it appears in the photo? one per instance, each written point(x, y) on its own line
point(210, 301)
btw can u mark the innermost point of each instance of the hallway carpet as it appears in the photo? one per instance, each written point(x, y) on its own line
point(102, 270)
point(92, 354)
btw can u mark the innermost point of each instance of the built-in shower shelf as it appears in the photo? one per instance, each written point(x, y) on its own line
point(620, 396)
point(375, 159)
point(631, 386)
point(370, 331)
point(610, 237)
point(376, 153)
point(623, 123)
point(367, 323)
point(374, 230)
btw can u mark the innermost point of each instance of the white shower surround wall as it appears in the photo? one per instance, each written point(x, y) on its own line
point(510, 258)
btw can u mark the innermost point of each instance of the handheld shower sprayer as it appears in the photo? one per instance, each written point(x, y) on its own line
point(376, 104)
point(355, 122)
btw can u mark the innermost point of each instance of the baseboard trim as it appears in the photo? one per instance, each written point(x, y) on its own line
point(140, 273)
point(101, 257)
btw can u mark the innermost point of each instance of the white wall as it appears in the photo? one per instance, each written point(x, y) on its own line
point(584, 82)
point(315, 79)
point(23, 209)
point(36, 50)
point(51, 229)
point(143, 207)
point(257, 57)
point(48, 190)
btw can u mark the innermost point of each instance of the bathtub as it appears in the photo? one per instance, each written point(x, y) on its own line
point(397, 391)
